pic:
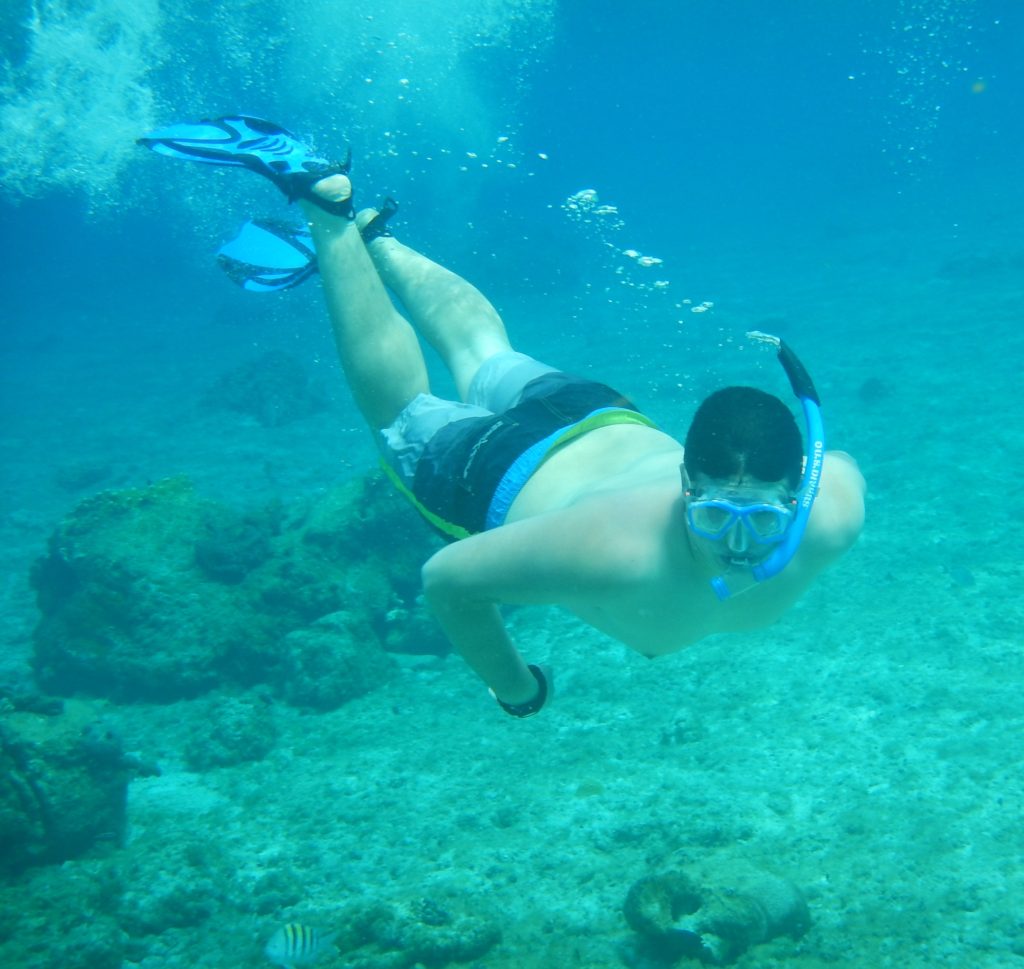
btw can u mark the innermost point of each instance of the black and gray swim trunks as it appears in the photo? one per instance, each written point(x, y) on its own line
point(463, 464)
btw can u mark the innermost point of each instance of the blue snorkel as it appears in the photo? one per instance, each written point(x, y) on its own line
point(803, 387)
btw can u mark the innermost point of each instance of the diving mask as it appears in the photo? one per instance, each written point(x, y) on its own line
point(764, 522)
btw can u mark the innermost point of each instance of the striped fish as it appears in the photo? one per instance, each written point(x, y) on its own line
point(297, 945)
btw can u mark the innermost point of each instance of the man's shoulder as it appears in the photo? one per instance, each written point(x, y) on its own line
point(838, 515)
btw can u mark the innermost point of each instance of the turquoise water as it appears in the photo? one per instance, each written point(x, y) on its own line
point(844, 174)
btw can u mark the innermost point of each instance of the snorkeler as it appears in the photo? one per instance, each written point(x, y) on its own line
point(558, 489)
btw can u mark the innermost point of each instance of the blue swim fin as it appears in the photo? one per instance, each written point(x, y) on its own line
point(257, 144)
point(268, 255)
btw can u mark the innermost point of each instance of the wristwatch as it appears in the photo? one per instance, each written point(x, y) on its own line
point(530, 707)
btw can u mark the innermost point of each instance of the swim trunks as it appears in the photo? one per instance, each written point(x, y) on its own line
point(471, 468)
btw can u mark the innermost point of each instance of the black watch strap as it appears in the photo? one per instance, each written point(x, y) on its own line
point(530, 707)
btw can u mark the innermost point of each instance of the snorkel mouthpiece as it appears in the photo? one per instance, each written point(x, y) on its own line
point(803, 387)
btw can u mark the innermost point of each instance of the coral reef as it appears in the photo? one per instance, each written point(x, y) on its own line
point(712, 916)
point(230, 730)
point(126, 611)
point(158, 594)
point(64, 915)
point(63, 780)
point(327, 664)
point(383, 543)
point(232, 545)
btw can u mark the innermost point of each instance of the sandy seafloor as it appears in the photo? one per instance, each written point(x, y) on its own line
point(867, 746)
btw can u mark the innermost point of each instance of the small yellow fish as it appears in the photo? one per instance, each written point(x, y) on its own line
point(297, 945)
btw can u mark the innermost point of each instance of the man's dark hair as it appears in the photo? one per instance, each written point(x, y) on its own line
point(742, 430)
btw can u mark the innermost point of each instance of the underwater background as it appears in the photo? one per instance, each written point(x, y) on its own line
point(222, 706)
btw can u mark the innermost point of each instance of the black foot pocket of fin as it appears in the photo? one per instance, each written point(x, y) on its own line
point(378, 225)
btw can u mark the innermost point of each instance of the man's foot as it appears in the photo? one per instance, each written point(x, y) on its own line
point(335, 189)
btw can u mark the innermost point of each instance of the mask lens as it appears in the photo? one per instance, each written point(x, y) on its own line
point(767, 523)
point(711, 517)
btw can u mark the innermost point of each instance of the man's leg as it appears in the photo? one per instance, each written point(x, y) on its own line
point(452, 315)
point(379, 350)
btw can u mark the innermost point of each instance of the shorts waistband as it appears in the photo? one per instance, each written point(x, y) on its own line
point(524, 467)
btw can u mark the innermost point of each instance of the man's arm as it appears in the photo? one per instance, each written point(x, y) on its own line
point(476, 630)
point(548, 559)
